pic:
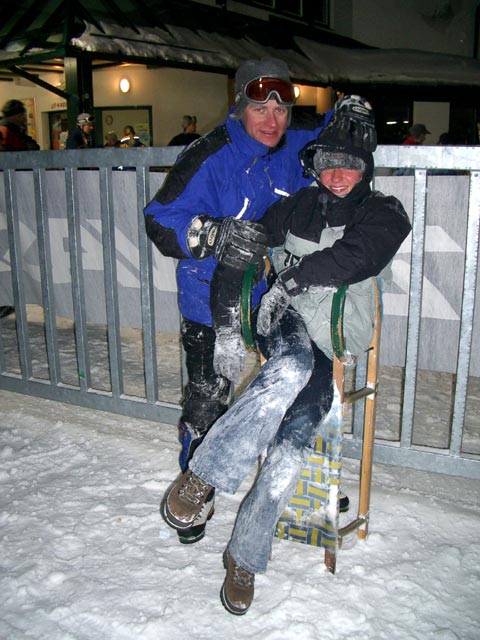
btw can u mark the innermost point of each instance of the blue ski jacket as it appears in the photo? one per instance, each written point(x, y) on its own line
point(224, 173)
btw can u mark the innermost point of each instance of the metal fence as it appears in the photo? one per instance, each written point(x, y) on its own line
point(27, 190)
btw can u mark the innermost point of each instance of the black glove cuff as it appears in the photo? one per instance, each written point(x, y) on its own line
point(289, 280)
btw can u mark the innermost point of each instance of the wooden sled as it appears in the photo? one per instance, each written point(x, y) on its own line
point(312, 514)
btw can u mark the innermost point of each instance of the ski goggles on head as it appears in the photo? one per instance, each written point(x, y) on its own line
point(261, 90)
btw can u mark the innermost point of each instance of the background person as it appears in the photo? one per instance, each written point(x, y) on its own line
point(335, 233)
point(189, 126)
point(13, 128)
point(81, 136)
point(111, 139)
point(14, 137)
point(205, 212)
point(130, 138)
point(417, 135)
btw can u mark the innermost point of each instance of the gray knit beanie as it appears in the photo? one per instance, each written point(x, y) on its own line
point(252, 69)
point(330, 159)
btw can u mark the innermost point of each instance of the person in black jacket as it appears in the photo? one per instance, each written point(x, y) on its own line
point(189, 134)
point(81, 136)
point(336, 232)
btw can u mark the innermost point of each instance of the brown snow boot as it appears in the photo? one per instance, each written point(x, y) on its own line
point(238, 588)
point(185, 500)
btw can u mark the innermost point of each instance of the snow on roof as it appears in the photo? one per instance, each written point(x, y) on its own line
point(402, 66)
point(319, 64)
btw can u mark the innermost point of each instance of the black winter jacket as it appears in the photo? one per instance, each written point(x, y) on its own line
point(375, 227)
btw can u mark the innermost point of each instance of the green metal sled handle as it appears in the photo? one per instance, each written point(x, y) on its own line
point(336, 324)
point(246, 308)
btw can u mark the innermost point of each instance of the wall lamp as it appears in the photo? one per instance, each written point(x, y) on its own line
point(124, 85)
point(296, 91)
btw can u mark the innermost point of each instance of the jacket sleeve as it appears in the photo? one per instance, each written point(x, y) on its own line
point(369, 243)
point(191, 188)
point(225, 295)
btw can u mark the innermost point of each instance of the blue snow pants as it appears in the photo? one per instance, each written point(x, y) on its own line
point(279, 411)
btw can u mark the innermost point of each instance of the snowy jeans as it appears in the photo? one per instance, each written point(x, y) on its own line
point(280, 409)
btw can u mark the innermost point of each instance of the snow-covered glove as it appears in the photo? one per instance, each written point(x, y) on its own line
point(354, 122)
point(273, 306)
point(229, 353)
point(276, 300)
point(234, 243)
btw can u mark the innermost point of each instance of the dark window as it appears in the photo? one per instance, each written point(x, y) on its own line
point(315, 12)
point(292, 7)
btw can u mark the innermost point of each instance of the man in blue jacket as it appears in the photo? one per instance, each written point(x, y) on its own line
point(205, 213)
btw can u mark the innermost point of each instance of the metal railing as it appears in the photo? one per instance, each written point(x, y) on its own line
point(149, 163)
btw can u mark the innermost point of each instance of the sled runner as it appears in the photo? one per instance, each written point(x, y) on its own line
point(312, 514)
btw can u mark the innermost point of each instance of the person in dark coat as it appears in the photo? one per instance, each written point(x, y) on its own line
point(14, 137)
point(13, 128)
point(81, 136)
point(189, 134)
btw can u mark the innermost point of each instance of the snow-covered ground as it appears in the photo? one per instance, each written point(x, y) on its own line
point(86, 555)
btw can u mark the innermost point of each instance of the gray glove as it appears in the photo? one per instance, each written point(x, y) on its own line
point(273, 306)
point(354, 121)
point(229, 353)
point(234, 243)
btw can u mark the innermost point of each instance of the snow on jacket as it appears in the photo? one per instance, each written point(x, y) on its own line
point(13, 138)
point(224, 173)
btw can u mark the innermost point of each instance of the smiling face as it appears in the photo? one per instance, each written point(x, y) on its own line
point(267, 122)
point(340, 181)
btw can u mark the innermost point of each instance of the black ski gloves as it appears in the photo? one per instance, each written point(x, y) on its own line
point(234, 243)
point(354, 122)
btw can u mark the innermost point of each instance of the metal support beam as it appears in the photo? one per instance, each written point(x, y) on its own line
point(79, 86)
point(41, 83)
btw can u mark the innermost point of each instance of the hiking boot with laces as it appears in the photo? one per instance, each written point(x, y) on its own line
point(185, 501)
point(238, 588)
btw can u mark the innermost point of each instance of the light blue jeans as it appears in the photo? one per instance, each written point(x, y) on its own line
point(280, 410)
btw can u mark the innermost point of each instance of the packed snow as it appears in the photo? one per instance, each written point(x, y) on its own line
point(86, 555)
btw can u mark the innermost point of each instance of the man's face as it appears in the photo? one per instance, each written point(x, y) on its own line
point(266, 123)
point(340, 181)
point(87, 128)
